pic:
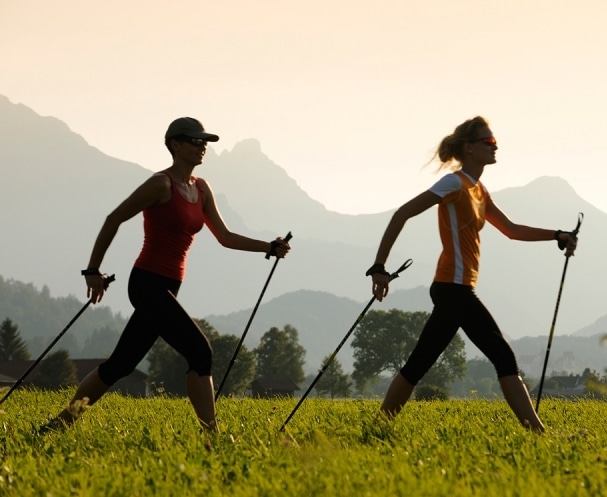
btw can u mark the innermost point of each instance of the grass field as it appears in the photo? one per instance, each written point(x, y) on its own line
point(153, 447)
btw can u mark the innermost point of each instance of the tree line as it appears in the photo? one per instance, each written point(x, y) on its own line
point(42, 316)
point(381, 343)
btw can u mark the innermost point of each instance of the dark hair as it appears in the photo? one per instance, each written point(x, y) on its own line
point(450, 150)
point(167, 142)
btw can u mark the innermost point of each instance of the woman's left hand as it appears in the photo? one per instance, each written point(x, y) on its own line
point(279, 247)
point(569, 240)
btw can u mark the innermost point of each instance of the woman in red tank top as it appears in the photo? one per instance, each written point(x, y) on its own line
point(175, 206)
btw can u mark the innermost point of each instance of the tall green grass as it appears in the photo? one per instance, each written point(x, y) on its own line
point(153, 447)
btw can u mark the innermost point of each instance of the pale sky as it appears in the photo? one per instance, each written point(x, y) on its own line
point(350, 98)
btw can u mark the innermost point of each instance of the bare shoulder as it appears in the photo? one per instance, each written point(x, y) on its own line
point(157, 188)
point(153, 191)
point(159, 178)
point(203, 185)
point(205, 190)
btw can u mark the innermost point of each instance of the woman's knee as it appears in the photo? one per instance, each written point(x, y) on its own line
point(110, 373)
point(413, 373)
point(202, 362)
point(505, 363)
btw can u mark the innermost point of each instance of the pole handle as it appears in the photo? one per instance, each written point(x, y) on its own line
point(580, 219)
point(286, 239)
point(108, 280)
point(405, 265)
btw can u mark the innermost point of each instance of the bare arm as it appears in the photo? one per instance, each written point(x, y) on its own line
point(228, 238)
point(512, 230)
point(412, 208)
point(515, 231)
point(155, 190)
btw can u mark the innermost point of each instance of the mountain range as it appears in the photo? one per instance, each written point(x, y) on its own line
point(57, 189)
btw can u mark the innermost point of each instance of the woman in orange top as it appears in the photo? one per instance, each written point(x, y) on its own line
point(175, 206)
point(464, 204)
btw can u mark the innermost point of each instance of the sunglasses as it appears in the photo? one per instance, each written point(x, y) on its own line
point(489, 140)
point(197, 142)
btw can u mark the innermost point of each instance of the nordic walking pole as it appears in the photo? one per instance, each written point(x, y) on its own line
point(556, 310)
point(360, 317)
point(107, 282)
point(244, 334)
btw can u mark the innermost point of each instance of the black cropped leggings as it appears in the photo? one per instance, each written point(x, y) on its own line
point(157, 314)
point(457, 306)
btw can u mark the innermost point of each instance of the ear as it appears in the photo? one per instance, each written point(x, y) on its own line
point(174, 144)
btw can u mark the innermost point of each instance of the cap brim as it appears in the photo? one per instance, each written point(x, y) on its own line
point(209, 137)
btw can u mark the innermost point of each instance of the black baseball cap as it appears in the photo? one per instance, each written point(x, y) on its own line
point(191, 127)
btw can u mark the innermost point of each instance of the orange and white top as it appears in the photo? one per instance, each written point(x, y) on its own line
point(461, 216)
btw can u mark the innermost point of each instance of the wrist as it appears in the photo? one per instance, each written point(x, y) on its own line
point(91, 271)
point(562, 244)
point(271, 252)
point(377, 268)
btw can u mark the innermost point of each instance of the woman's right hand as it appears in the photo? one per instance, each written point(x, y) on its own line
point(381, 284)
point(96, 286)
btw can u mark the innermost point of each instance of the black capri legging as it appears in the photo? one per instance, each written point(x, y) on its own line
point(458, 306)
point(157, 314)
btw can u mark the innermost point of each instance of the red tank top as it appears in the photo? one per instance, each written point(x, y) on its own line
point(169, 230)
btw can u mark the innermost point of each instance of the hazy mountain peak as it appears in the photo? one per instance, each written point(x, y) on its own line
point(553, 183)
point(46, 128)
point(544, 187)
point(248, 146)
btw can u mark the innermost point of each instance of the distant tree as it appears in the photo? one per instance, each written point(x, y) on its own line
point(166, 370)
point(279, 354)
point(69, 341)
point(589, 374)
point(594, 385)
point(56, 371)
point(243, 370)
point(480, 380)
point(480, 368)
point(101, 343)
point(334, 382)
point(486, 387)
point(384, 339)
point(12, 347)
point(431, 392)
point(375, 387)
